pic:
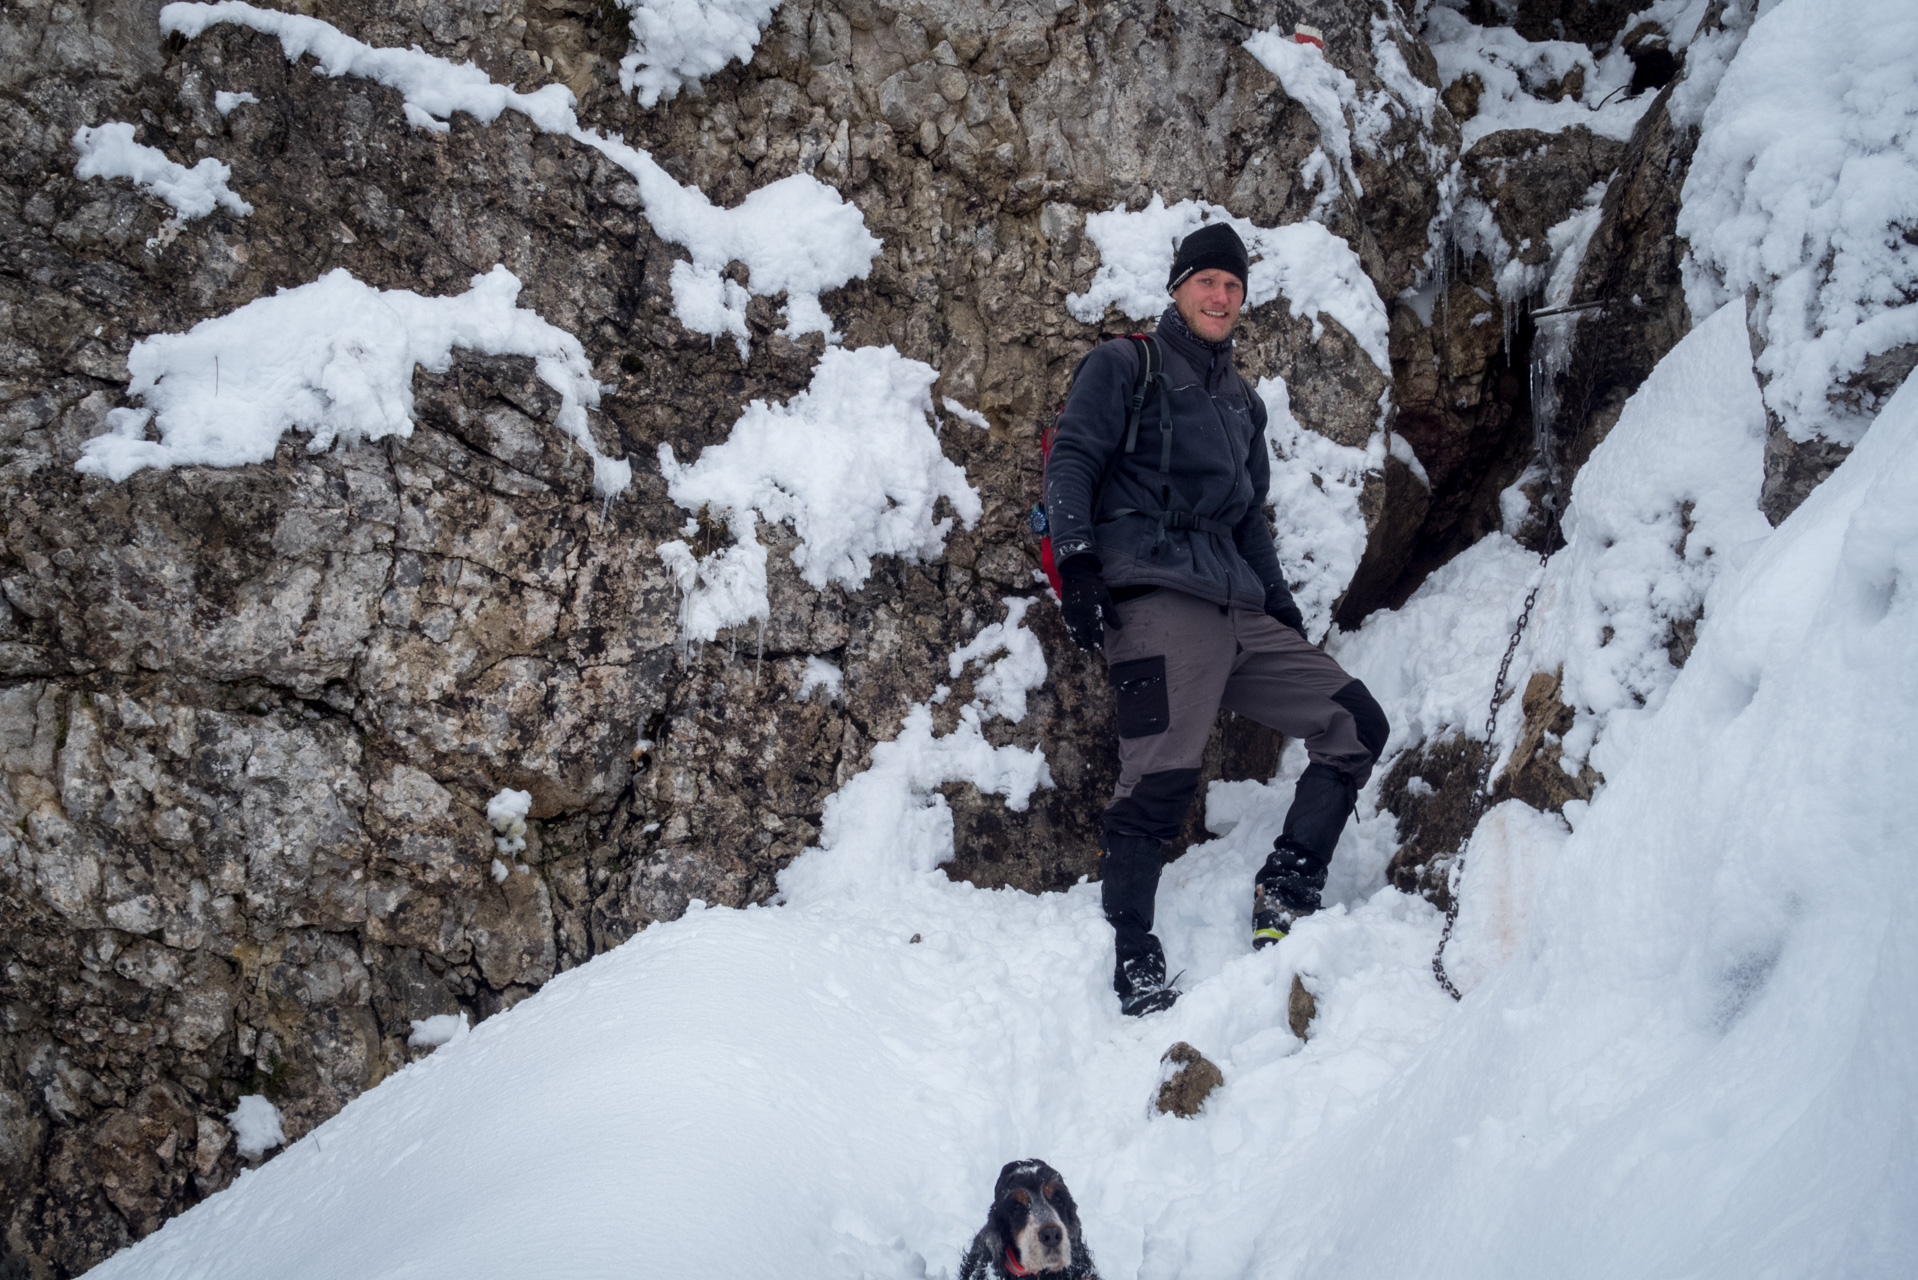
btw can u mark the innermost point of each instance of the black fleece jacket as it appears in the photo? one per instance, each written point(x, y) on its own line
point(1219, 472)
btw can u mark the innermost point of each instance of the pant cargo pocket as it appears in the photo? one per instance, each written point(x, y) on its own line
point(1141, 694)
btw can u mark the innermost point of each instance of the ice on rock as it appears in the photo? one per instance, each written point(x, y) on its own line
point(335, 359)
point(226, 101)
point(852, 463)
point(256, 1126)
point(109, 151)
point(1316, 272)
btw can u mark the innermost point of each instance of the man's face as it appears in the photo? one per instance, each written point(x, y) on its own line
point(1209, 303)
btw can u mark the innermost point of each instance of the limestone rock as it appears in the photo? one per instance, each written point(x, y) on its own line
point(1301, 1006)
point(1191, 1082)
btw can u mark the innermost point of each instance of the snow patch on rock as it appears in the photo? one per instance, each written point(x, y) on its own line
point(335, 359)
point(1516, 72)
point(507, 812)
point(441, 1028)
point(681, 42)
point(1314, 501)
point(109, 151)
point(852, 463)
point(889, 825)
point(256, 1126)
point(432, 85)
point(795, 235)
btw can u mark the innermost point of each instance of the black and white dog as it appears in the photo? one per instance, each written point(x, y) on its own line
point(1033, 1229)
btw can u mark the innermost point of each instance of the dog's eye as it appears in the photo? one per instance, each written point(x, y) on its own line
point(1052, 1191)
point(1022, 1195)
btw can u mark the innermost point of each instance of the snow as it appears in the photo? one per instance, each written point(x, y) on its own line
point(507, 812)
point(429, 84)
point(971, 417)
point(1346, 118)
point(680, 42)
point(1698, 1061)
point(226, 101)
point(1665, 501)
point(1512, 854)
point(1693, 1059)
point(256, 1126)
point(1803, 190)
point(820, 676)
point(1315, 271)
point(1430, 662)
point(852, 463)
point(1317, 525)
point(109, 151)
point(335, 359)
point(1019, 665)
point(441, 1028)
point(795, 235)
point(1327, 94)
point(1515, 71)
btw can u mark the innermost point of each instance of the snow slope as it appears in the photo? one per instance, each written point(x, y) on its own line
point(1695, 1062)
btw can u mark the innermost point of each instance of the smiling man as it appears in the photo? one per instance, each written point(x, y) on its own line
point(1155, 497)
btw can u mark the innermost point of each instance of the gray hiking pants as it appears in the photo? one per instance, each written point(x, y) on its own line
point(1178, 659)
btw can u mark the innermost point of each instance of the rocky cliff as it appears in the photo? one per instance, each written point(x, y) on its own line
point(251, 716)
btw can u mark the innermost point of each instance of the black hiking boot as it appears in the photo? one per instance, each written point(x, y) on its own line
point(1286, 888)
point(1270, 921)
point(1141, 984)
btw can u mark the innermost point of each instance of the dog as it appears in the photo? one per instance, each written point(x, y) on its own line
point(1032, 1230)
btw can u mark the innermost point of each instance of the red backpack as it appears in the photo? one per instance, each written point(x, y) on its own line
point(1151, 369)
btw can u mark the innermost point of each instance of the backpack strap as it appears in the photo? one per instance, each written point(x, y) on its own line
point(1150, 372)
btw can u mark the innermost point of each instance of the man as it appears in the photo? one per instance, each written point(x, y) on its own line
point(1167, 563)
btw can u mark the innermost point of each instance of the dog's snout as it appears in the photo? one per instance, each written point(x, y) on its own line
point(1051, 1236)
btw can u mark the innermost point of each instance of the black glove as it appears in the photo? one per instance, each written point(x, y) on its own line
point(1086, 602)
point(1280, 605)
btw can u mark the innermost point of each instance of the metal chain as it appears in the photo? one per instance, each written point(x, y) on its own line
point(1480, 792)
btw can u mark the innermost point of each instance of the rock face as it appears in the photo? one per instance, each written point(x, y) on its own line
point(250, 718)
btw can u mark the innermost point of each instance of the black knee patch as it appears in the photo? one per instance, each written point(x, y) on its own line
point(1367, 716)
point(1156, 807)
point(1143, 704)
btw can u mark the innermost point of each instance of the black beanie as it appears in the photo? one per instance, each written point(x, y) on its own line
point(1215, 246)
